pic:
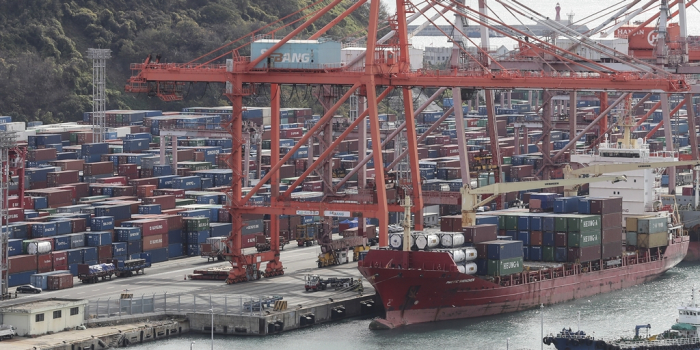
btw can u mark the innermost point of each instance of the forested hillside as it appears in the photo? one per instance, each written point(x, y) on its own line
point(44, 74)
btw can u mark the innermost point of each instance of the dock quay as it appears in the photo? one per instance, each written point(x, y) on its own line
point(164, 304)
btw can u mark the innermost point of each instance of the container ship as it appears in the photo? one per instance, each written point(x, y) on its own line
point(513, 260)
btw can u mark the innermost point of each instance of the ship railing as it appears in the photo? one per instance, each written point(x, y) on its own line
point(636, 344)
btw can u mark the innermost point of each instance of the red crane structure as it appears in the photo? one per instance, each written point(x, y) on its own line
point(386, 68)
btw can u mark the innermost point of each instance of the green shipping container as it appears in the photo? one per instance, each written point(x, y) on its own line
point(549, 253)
point(196, 223)
point(511, 222)
point(631, 238)
point(504, 267)
point(51, 211)
point(583, 239)
point(501, 222)
point(583, 223)
point(652, 240)
point(184, 201)
point(561, 223)
point(507, 160)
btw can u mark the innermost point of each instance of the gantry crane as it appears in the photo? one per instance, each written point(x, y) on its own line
point(386, 68)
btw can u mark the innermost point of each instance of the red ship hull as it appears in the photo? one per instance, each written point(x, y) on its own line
point(417, 287)
point(693, 252)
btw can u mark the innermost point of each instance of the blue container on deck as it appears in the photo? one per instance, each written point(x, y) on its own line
point(18, 279)
point(176, 236)
point(77, 240)
point(118, 248)
point(526, 253)
point(207, 182)
point(43, 229)
point(481, 266)
point(73, 268)
point(96, 239)
point(19, 231)
point(536, 253)
point(535, 223)
point(501, 250)
point(63, 227)
point(566, 205)
point(561, 254)
point(174, 251)
point(125, 234)
point(548, 238)
point(102, 223)
point(61, 243)
point(47, 139)
point(546, 199)
point(135, 145)
point(524, 223)
point(120, 257)
point(40, 202)
point(75, 256)
point(664, 180)
point(149, 209)
point(196, 213)
point(157, 255)
point(208, 199)
point(219, 229)
point(584, 205)
point(89, 254)
point(134, 247)
point(119, 211)
point(513, 234)
point(14, 247)
point(139, 135)
point(92, 149)
point(166, 181)
point(162, 170)
point(197, 237)
point(28, 214)
point(187, 183)
point(524, 236)
point(547, 223)
point(193, 249)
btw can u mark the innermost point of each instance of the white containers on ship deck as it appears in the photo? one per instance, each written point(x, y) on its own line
point(460, 255)
point(396, 240)
point(468, 268)
point(427, 241)
point(450, 239)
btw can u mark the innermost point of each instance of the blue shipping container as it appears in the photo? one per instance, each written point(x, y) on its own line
point(524, 236)
point(89, 254)
point(15, 247)
point(21, 278)
point(548, 238)
point(75, 256)
point(174, 251)
point(61, 243)
point(501, 250)
point(118, 248)
point(43, 229)
point(133, 247)
point(102, 223)
point(125, 234)
point(96, 239)
point(157, 255)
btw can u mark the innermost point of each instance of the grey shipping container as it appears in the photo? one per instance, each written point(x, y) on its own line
point(652, 225)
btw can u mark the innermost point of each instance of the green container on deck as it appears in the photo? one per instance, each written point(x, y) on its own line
point(74, 138)
point(481, 123)
point(196, 224)
point(502, 222)
point(184, 201)
point(51, 211)
point(511, 222)
point(583, 223)
point(504, 267)
point(507, 160)
point(549, 253)
point(267, 144)
point(584, 239)
point(561, 223)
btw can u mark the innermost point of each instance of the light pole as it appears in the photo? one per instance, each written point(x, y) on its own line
point(192, 345)
point(212, 328)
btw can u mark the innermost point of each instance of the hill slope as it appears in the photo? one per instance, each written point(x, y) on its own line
point(44, 74)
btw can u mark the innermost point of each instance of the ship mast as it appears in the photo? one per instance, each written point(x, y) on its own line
point(407, 223)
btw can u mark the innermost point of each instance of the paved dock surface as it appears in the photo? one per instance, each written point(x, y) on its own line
point(169, 277)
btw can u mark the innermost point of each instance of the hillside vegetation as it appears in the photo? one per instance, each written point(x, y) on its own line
point(44, 72)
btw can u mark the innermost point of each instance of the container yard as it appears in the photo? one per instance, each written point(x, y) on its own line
point(495, 184)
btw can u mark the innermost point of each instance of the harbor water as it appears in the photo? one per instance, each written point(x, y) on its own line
point(608, 315)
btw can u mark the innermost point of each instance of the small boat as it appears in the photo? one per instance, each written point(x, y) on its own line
point(685, 334)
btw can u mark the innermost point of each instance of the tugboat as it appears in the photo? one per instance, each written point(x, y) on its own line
point(685, 334)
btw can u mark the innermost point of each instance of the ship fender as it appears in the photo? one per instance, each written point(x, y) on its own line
point(547, 340)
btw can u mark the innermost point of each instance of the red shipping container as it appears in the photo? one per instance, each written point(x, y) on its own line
point(174, 222)
point(535, 237)
point(145, 191)
point(44, 263)
point(313, 186)
point(104, 252)
point(62, 177)
point(98, 168)
point(82, 189)
point(611, 234)
point(584, 254)
point(144, 181)
point(73, 192)
point(248, 241)
point(122, 191)
point(607, 206)
point(155, 241)
point(60, 281)
point(41, 154)
point(15, 215)
point(611, 249)
point(22, 263)
point(69, 164)
point(119, 180)
point(560, 239)
point(451, 223)
point(166, 202)
point(152, 227)
point(59, 260)
point(127, 169)
point(480, 233)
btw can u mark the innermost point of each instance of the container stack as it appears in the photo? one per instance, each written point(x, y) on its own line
point(610, 211)
point(647, 232)
point(499, 258)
